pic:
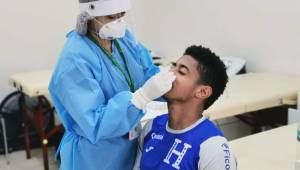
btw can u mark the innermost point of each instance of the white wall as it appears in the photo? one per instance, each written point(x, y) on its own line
point(264, 32)
point(32, 34)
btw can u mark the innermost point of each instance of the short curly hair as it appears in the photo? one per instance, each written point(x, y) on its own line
point(211, 69)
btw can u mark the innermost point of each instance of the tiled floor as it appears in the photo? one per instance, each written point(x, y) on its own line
point(17, 161)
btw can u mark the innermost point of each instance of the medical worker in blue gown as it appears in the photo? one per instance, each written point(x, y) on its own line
point(101, 84)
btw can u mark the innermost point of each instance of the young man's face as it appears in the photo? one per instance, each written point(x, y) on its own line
point(186, 82)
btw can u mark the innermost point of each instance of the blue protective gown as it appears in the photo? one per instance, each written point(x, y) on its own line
point(93, 100)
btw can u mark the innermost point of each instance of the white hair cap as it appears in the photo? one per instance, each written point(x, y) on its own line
point(104, 7)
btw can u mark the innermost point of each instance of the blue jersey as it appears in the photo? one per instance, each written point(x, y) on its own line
point(167, 149)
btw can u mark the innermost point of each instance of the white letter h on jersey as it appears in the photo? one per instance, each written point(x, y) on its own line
point(179, 154)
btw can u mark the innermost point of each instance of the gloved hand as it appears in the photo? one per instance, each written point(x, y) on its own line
point(154, 88)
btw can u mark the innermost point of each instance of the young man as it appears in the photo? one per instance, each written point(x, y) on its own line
point(184, 139)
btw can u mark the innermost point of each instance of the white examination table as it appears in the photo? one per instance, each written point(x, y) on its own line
point(270, 150)
point(255, 91)
point(34, 84)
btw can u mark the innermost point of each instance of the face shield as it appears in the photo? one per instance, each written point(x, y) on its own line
point(104, 7)
point(93, 8)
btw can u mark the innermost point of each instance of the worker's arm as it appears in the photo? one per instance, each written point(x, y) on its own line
point(94, 116)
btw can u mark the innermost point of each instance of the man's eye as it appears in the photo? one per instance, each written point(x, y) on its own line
point(181, 72)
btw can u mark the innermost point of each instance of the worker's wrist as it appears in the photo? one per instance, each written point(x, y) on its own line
point(139, 99)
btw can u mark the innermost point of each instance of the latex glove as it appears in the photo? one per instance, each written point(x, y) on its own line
point(154, 88)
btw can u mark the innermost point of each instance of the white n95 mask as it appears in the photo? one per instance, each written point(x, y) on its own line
point(113, 30)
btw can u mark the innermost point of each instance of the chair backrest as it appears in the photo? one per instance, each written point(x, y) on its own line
point(3, 130)
point(11, 111)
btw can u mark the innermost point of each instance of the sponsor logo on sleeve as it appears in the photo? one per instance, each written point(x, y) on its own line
point(226, 152)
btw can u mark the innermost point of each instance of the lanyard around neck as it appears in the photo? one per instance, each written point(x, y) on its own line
point(115, 62)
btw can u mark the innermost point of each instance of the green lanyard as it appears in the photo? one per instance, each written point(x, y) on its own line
point(115, 62)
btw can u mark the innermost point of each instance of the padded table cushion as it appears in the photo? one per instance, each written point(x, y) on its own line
point(269, 150)
point(244, 93)
point(254, 91)
point(32, 83)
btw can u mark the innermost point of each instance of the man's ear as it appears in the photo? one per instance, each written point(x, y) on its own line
point(203, 92)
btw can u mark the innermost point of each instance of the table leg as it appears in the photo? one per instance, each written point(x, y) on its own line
point(43, 137)
point(24, 124)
